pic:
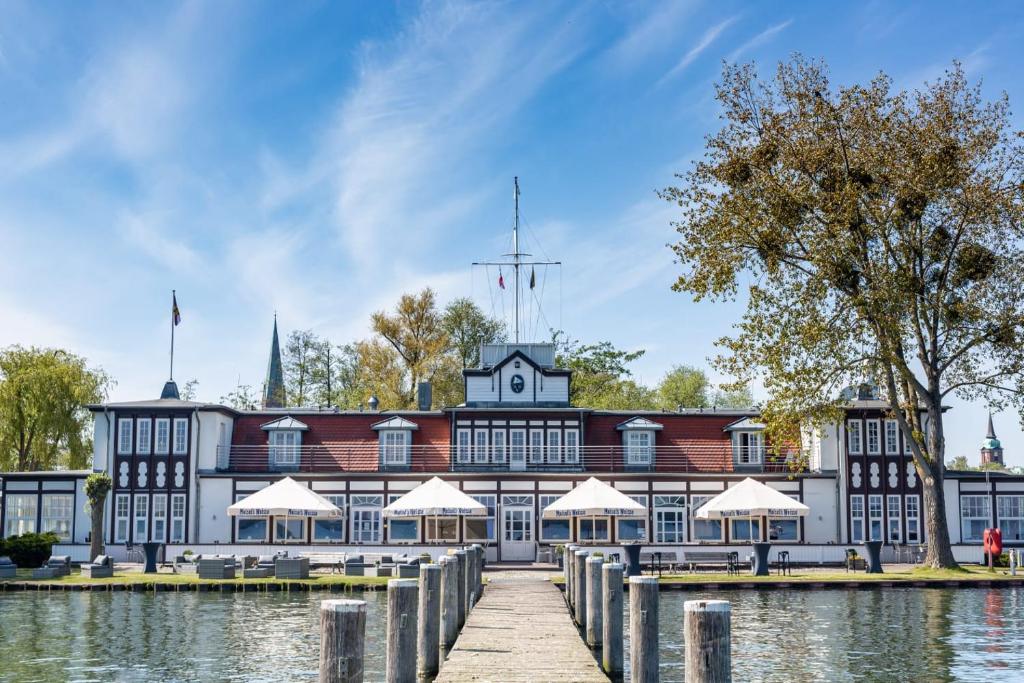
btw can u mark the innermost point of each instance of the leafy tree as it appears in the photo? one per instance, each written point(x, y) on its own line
point(44, 423)
point(958, 464)
point(961, 464)
point(601, 376)
point(683, 386)
point(335, 377)
point(300, 359)
point(244, 397)
point(467, 327)
point(415, 335)
point(731, 396)
point(881, 234)
point(97, 486)
point(190, 391)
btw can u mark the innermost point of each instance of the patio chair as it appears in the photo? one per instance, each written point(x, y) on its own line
point(8, 570)
point(354, 565)
point(61, 563)
point(134, 553)
point(215, 568)
point(100, 568)
point(854, 562)
point(782, 563)
point(291, 568)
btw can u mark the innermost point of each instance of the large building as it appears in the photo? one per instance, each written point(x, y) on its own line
point(515, 444)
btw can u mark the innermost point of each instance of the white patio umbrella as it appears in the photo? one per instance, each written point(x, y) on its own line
point(285, 498)
point(594, 498)
point(750, 499)
point(435, 498)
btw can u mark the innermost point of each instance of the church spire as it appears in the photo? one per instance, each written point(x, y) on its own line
point(273, 387)
point(991, 434)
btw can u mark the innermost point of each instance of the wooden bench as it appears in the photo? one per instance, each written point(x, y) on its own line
point(698, 558)
point(657, 560)
point(334, 561)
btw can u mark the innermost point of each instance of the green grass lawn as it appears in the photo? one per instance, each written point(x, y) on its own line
point(965, 573)
point(167, 578)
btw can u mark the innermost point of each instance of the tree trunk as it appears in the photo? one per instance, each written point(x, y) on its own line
point(940, 552)
point(96, 538)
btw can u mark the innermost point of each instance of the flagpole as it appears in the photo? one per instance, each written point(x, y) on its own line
point(515, 254)
point(172, 333)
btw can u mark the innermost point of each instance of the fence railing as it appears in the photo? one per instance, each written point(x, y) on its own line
point(371, 457)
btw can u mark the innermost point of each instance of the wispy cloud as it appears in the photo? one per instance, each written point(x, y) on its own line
point(657, 30)
point(703, 44)
point(760, 39)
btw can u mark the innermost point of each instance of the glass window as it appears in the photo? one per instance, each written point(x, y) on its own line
point(572, 446)
point(442, 529)
point(913, 519)
point(518, 524)
point(144, 436)
point(124, 436)
point(892, 437)
point(974, 517)
point(593, 528)
point(783, 529)
point(159, 517)
point(894, 532)
point(638, 447)
point(180, 435)
point(403, 530)
point(58, 509)
point(554, 446)
point(857, 519)
point(480, 454)
point(854, 443)
point(141, 533)
point(517, 439)
point(553, 529)
point(498, 445)
point(633, 529)
point(331, 529)
point(746, 530)
point(1011, 517)
point(366, 519)
point(875, 518)
point(21, 513)
point(536, 446)
point(749, 448)
point(462, 448)
point(289, 529)
point(252, 529)
point(163, 435)
point(396, 446)
point(177, 518)
point(482, 528)
point(703, 529)
point(284, 448)
point(122, 513)
point(874, 438)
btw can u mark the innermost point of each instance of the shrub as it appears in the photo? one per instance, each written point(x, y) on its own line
point(30, 550)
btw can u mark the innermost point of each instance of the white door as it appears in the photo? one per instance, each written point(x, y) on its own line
point(517, 450)
point(517, 529)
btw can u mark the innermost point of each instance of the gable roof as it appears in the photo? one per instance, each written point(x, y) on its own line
point(747, 424)
point(282, 423)
point(638, 423)
point(516, 355)
point(396, 422)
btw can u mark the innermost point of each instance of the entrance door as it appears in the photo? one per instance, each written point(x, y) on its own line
point(517, 529)
point(517, 450)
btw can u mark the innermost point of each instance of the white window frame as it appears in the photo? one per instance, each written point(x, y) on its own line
point(572, 446)
point(554, 446)
point(536, 446)
point(285, 447)
point(670, 511)
point(162, 436)
point(177, 528)
point(57, 514)
point(338, 499)
point(695, 504)
point(481, 446)
point(873, 435)
point(287, 521)
point(158, 531)
point(544, 500)
point(122, 517)
point(464, 445)
point(490, 501)
point(124, 436)
point(876, 514)
point(366, 506)
point(498, 446)
point(639, 453)
point(913, 518)
point(892, 437)
point(415, 520)
point(907, 450)
point(22, 511)
point(855, 437)
point(517, 451)
point(969, 504)
point(267, 530)
point(180, 435)
point(857, 518)
point(395, 446)
point(893, 514)
point(642, 499)
point(140, 522)
point(753, 452)
point(143, 435)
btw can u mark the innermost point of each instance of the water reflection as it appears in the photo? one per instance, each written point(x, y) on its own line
point(836, 635)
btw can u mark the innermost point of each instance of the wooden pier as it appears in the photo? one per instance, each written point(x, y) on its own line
point(520, 631)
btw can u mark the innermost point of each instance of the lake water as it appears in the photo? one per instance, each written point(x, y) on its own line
point(862, 635)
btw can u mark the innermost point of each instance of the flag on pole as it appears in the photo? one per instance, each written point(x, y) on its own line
point(501, 280)
point(533, 278)
point(175, 313)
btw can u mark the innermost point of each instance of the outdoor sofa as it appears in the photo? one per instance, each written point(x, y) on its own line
point(8, 570)
point(216, 568)
point(100, 568)
point(57, 565)
point(354, 565)
point(291, 568)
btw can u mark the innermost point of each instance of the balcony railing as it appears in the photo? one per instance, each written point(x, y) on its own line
point(367, 457)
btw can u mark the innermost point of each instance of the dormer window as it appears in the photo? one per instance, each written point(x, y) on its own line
point(284, 441)
point(747, 442)
point(395, 442)
point(638, 441)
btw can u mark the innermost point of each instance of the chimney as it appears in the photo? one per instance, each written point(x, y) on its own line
point(423, 396)
point(373, 403)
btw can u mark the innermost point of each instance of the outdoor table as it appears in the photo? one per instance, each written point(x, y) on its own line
point(632, 558)
point(874, 556)
point(761, 559)
point(151, 547)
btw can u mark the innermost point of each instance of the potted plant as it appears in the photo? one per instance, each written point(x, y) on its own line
point(559, 554)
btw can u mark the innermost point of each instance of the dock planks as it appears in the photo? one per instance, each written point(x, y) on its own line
point(520, 631)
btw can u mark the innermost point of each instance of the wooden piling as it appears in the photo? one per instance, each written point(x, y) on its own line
point(579, 587)
point(480, 559)
point(403, 603)
point(643, 629)
point(342, 640)
point(449, 601)
point(460, 557)
point(470, 578)
point(567, 561)
point(595, 601)
point(707, 625)
point(611, 620)
point(428, 620)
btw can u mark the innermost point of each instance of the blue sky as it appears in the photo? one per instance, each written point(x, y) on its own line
point(318, 159)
